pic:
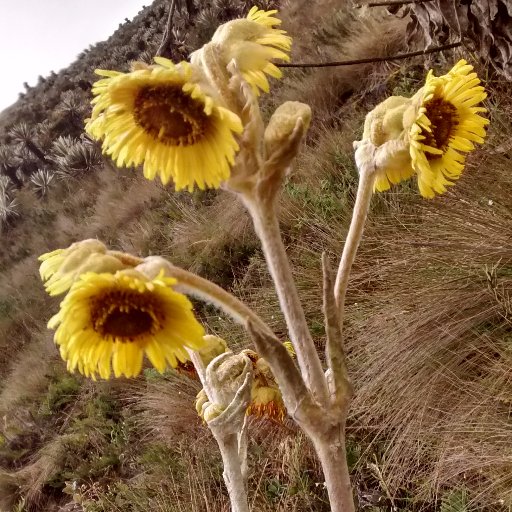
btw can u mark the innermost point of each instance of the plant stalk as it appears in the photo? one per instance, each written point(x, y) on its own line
point(266, 226)
point(330, 448)
point(233, 471)
point(355, 233)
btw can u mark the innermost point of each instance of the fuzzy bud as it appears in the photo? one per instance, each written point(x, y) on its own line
point(211, 412)
point(283, 123)
point(214, 347)
point(386, 121)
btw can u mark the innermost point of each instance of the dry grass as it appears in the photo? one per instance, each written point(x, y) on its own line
point(431, 331)
point(344, 34)
point(28, 376)
point(164, 407)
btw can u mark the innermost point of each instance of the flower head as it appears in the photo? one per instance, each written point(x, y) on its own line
point(162, 117)
point(446, 125)
point(62, 267)
point(266, 401)
point(253, 43)
point(283, 123)
point(266, 398)
point(114, 319)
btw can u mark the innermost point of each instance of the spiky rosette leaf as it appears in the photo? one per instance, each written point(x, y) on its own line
point(41, 180)
point(74, 157)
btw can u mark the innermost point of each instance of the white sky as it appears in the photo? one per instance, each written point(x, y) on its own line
point(38, 36)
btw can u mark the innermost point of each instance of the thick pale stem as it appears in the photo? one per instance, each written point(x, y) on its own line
point(267, 228)
point(330, 448)
point(206, 290)
point(197, 286)
point(338, 381)
point(355, 232)
point(233, 470)
point(329, 442)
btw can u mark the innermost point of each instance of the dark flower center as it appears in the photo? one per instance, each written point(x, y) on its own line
point(127, 324)
point(443, 118)
point(169, 115)
point(124, 316)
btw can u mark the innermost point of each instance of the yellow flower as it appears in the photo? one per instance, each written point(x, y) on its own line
point(266, 401)
point(161, 117)
point(117, 318)
point(62, 267)
point(252, 43)
point(446, 124)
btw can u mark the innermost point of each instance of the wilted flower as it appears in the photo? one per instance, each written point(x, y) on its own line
point(117, 318)
point(266, 398)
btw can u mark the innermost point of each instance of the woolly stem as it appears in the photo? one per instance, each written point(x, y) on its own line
point(355, 233)
point(203, 289)
point(233, 470)
point(266, 226)
point(331, 451)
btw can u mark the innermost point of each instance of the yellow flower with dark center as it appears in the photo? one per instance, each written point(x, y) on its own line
point(161, 117)
point(253, 43)
point(446, 125)
point(112, 320)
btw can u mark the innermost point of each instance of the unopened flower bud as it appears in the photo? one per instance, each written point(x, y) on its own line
point(211, 412)
point(283, 123)
point(214, 347)
point(201, 400)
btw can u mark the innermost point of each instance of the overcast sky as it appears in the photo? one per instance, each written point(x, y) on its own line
point(38, 36)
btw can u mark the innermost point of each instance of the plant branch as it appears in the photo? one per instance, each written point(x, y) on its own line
point(355, 232)
point(203, 289)
point(266, 225)
point(229, 428)
point(296, 396)
point(233, 473)
point(341, 389)
point(369, 59)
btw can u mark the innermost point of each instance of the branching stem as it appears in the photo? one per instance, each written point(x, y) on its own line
point(267, 228)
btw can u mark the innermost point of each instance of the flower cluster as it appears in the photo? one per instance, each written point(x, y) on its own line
point(172, 119)
point(428, 135)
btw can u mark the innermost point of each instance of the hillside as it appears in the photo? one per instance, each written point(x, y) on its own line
point(429, 306)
